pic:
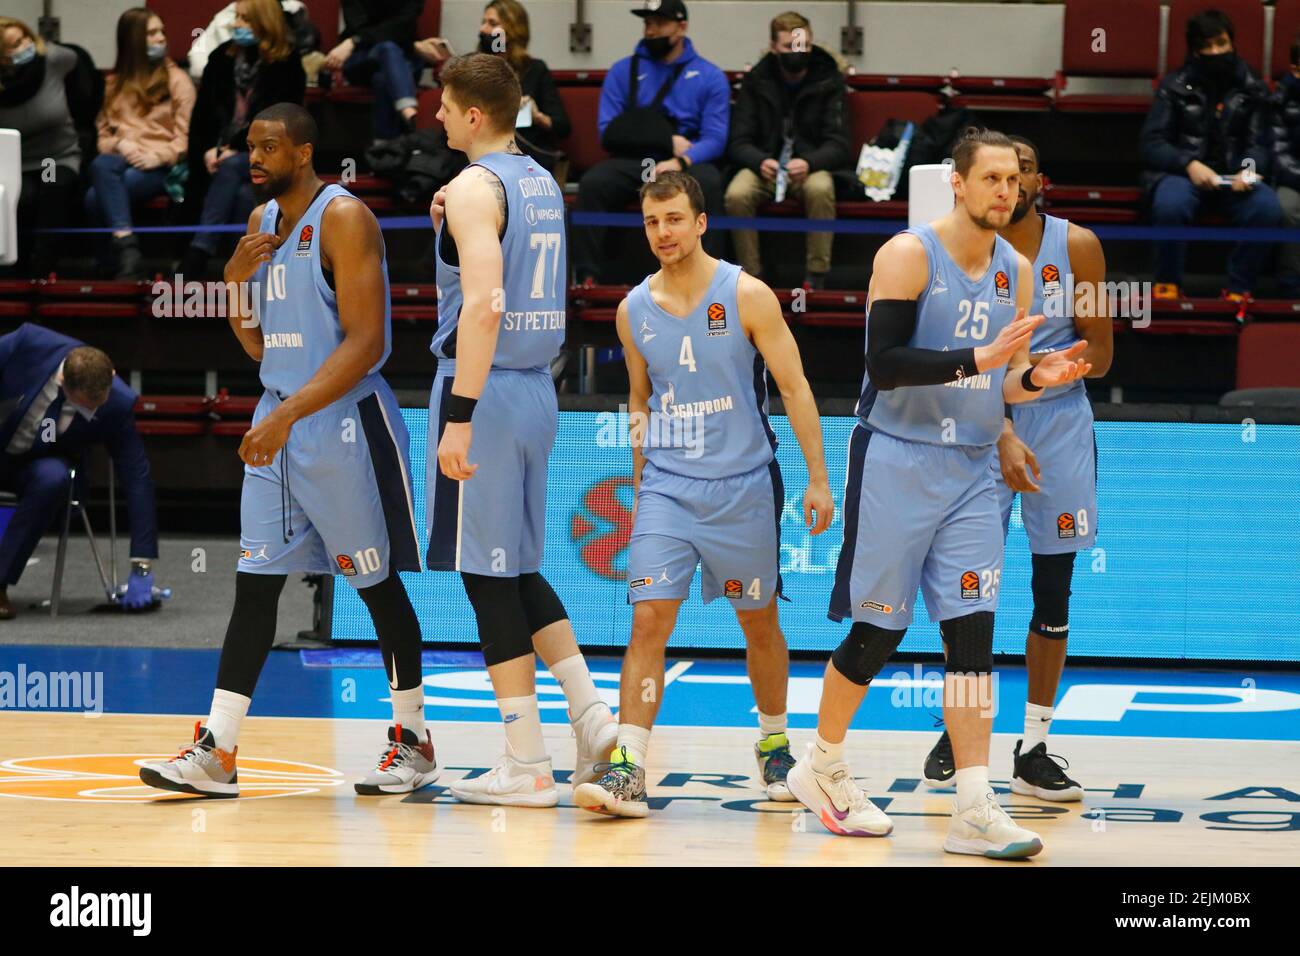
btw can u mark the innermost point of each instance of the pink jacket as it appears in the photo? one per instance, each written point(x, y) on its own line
point(159, 137)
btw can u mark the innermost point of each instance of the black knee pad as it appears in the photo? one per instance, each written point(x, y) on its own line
point(1051, 587)
point(542, 606)
point(970, 643)
point(502, 626)
point(864, 651)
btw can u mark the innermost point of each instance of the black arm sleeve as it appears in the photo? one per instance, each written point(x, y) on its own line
point(892, 363)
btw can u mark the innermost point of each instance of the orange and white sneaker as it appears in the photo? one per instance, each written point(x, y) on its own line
point(202, 768)
point(511, 783)
point(1166, 291)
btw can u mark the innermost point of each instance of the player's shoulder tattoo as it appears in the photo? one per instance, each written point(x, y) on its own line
point(498, 187)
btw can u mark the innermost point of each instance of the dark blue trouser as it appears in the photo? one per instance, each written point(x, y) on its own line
point(115, 185)
point(1176, 202)
point(385, 69)
point(42, 488)
point(229, 199)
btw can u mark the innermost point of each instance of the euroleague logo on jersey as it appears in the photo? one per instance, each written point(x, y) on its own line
point(304, 241)
point(1051, 280)
point(717, 319)
point(345, 565)
point(1002, 286)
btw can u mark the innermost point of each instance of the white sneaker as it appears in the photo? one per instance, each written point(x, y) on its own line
point(840, 804)
point(511, 783)
point(597, 734)
point(986, 830)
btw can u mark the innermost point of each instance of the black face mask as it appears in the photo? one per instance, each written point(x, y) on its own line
point(23, 82)
point(1219, 70)
point(794, 62)
point(658, 47)
point(486, 41)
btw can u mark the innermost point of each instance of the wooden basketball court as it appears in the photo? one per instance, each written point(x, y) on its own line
point(72, 797)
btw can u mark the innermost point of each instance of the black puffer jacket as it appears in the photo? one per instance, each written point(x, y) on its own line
point(1285, 122)
point(1184, 125)
point(821, 126)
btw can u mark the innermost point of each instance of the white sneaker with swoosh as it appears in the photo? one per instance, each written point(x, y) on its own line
point(986, 830)
point(837, 800)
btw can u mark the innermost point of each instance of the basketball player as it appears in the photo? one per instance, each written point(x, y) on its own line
point(1058, 503)
point(947, 344)
point(326, 477)
point(492, 421)
point(699, 336)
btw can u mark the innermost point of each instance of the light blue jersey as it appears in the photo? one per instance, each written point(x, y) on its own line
point(1054, 298)
point(708, 401)
point(532, 246)
point(296, 306)
point(953, 312)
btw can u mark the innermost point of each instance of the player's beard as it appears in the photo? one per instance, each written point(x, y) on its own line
point(1021, 209)
point(273, 186)
point(984, 222)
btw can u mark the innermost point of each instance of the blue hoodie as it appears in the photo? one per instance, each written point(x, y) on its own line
point(699, 102)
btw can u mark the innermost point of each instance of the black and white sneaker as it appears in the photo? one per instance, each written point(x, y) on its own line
point(939, 766)
point(1037, 774)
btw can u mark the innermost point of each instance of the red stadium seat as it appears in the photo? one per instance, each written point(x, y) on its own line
point(883, 81)
point(1247, 18)
point(1286, 24)
point(325, 14)
point(868, 112)
point(578, 77)
point(430, 20)
point(1266, 355)
point(15, 309)
point(153, 426)
point(1132, 49)
point(582, 103)
point(182, 18)
point(427, 106)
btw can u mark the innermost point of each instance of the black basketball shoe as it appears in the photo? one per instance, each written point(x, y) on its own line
point(1037, 774)
point(939, 766)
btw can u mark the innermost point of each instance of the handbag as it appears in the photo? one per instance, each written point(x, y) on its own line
point(642, 131)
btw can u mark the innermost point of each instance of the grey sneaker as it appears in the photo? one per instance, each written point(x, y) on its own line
point(619, 790)
point(774, 763)
point(406, 764)
point(201, 768)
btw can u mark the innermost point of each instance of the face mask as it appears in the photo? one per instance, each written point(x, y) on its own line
point(658, 47)
point(492, 43)
point(24, 56)
point(156, 51)
point(243, 36)
point(1219, 69)
point(794, 62)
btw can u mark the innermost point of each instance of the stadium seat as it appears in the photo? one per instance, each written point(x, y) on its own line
point(325, 15)
point(582, 145)
point(1132, 50)
point(430, 20)
point(1247, 18)
point(428, 102)
point(1266, 355)
point(869, 111)
point(1286, 24)
point(565, 78)
point(183, 18)
point(927, 83)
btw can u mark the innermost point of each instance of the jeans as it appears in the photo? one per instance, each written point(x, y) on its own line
point(1176, 203)
point(385, 69)
point(229, 199)
point(115, 185)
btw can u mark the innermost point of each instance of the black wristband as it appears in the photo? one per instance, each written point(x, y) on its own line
point(1027, 382)
point(459, 408)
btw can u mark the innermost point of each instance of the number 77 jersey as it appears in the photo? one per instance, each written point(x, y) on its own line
point(532, 298)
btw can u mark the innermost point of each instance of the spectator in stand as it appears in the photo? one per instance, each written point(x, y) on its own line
point(1205, 145)
point(789, 122)
point(695, 97)
point(377, 49)
point(255, 68)
point(62, 398)
point(303, 34)
point(504, 31)
point(1286, 170)
point(34, 99)
point(143, 132)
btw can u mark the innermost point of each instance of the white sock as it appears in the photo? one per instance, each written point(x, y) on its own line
point(523, 728)
point(575, 680)
point(228, 712)
point(769, 724)
point(408, 709)
point(826, 754)
point(1038, 721)
point(636, 740)
point(972, 787)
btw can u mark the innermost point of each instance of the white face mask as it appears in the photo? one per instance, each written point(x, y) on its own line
point(156, 51)
point(24, 56)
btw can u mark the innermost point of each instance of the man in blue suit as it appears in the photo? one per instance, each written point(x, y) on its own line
point(58, 397)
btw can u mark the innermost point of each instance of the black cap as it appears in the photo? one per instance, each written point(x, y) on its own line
point(668, 9)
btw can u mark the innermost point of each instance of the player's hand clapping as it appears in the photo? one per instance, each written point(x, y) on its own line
point(1017, 463)
point(453, 451)
point(1014, 336)
point(1061, 368)
point(817, 498)
point(250, 252)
